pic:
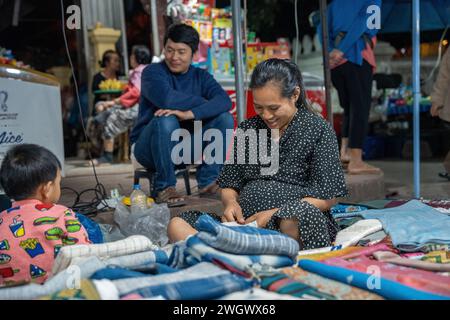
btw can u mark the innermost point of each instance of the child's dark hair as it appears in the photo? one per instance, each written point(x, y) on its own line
point(142, 54)
point(182, 33)
point(283, 73)
point(107, 57)
point(25, 168)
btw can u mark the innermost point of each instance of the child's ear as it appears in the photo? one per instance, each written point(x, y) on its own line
point(46, 190)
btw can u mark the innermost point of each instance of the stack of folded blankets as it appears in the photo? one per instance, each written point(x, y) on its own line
point(400, 252)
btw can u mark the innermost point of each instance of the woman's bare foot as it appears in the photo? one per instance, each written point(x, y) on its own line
point(361, 167)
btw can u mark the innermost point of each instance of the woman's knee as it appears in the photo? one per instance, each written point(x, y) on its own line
point(290, 228)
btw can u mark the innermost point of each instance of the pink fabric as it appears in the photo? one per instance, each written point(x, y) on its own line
point(31, 234)
point(135, 76)
point(419, 279)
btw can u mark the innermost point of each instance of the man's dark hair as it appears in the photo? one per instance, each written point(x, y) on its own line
point(25, 168)
point(182, 33)
point(142, 54)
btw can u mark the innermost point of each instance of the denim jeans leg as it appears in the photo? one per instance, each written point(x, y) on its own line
point(208, 173)
point(154, 147)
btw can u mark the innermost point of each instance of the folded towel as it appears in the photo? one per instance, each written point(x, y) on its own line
point(245, 239)
point(351, 235)
point(413, 225)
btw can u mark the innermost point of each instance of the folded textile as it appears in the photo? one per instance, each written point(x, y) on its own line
point(346, 210)
point(443, 204)
point(202, 281)
point(198, 251)
point(257, 294)
point(346, 253)
point(282, 284)
point(337, 289)
point(245, 239)
point(413, 225)
point(437, 257)
point(116, 273)
point(127, 246)
point(86, 291)
point(393, 258)
point(59, 282)
point(351, 235)
point(419, 279)
point(106, 289)
point(385, 288)
point(139, 261)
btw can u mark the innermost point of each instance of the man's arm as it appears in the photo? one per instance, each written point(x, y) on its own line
point(156, 88)
point(218, 100)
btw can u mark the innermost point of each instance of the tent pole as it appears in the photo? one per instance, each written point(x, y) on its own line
point(154, 22)
point(416, 94)
point(238, 61)
point(326, 59)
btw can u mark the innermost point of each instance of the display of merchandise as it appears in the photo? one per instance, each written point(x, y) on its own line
point(215, 28)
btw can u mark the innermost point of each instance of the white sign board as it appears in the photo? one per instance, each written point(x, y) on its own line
point(30, 113)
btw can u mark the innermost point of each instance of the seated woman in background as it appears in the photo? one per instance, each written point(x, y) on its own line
point(295, 199)
point(111, 67)
point(118, 115)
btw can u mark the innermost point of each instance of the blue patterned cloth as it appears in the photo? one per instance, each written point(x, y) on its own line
point(413, 225)
point(197, 251)
point(340, 211)
point(245, 239)
point(202, 281)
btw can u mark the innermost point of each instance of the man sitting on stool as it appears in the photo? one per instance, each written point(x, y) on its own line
point(173, 95)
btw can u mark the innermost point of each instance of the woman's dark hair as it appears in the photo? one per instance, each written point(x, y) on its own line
point(25, 168)
point(283, 73)
point(182, 33)
point(142, 54)
point(107, 57)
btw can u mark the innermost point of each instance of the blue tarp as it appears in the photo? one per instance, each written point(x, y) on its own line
point(396, 15)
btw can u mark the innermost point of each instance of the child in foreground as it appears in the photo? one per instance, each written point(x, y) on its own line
point(35, 228)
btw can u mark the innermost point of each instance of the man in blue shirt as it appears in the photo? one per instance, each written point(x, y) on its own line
point(352, 61)
point(174, 94)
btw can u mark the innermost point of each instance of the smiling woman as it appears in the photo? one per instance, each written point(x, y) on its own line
point(296, 199)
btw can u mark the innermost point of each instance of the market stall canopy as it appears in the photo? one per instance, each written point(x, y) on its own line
point(396, 15)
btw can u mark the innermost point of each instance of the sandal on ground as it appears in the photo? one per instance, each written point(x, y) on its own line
point(171, 197)
point(445, 175)
point(212, 191)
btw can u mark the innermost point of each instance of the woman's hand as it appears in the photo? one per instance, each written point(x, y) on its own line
point(262, 218)
point(336, 56)
point(181, 115)
point(233, 212)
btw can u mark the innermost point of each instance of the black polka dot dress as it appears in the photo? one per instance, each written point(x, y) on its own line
point(309, 166)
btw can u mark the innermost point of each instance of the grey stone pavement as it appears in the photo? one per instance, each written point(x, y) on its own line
point(396, 183)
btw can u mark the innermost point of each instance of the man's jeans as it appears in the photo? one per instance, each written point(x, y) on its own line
point(154, 147)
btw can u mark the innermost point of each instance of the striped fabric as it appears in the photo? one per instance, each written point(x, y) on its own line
point(197, 251)
point(282, 284)
point(244, 239)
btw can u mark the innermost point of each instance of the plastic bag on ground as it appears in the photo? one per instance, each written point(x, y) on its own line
point(151, 222)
